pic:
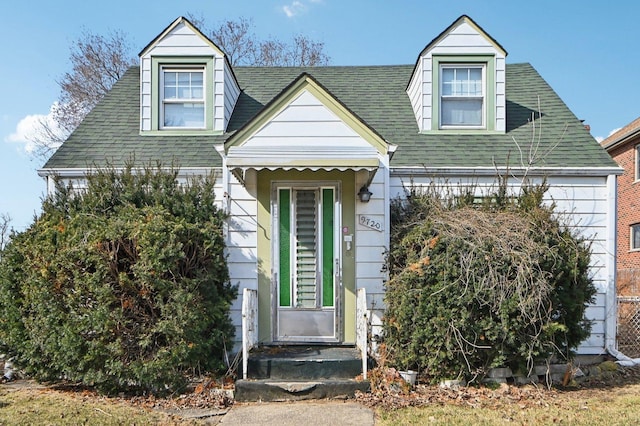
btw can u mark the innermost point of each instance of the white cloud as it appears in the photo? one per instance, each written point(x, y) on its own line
point(29, 129)
point(293, 9)
point(613, 131)
point(600, 138)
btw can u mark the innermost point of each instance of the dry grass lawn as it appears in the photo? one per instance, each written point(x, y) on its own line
point(612, 400)
point(607, 406)
point(42, 406)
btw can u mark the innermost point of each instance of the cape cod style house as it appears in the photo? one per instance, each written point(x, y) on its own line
point(308, 159)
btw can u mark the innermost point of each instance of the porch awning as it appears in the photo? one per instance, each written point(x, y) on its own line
point(243, 158)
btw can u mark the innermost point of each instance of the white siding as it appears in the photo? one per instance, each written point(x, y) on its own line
point(306, 121)
point(231, 93)
point(501, 94)
point(414, 91)
point(242, 245)
point(145, 93)
point(79, 181)
point(181, 41)
point(461, 40)
point(371, 244)
point(583, 202)
point(218, 94)
point(427, 92)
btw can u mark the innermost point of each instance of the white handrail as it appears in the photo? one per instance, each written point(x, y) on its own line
point(249, 326)
point(362, 328)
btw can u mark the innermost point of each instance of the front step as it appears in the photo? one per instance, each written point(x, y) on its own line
point(301, 372)
point(271, 390)
point(304, 363)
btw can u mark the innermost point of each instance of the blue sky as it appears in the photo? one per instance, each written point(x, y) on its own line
point(586, 51)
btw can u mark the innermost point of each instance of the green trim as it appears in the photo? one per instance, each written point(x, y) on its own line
point(264, 260)
point(159, 61)
point(348, 273)
point(264, 180)
point(490, 90)
point(328, 206)
point(305, 83)
point(284, 238)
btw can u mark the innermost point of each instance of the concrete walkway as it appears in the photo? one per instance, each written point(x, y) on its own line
point(300, 413)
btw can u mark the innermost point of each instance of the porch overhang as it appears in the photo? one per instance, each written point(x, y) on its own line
point(242, 158)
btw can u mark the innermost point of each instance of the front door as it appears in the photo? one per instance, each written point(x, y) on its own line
point(306, 251)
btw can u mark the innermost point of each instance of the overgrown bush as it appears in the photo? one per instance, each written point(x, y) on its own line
point(475, 285)
point(123, 286)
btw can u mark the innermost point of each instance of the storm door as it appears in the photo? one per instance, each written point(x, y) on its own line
point(307, 263)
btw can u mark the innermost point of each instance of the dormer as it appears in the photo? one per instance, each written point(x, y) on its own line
point(187, 85)
point(458, 83)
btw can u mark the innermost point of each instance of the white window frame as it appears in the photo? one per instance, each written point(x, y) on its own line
point(164, 101)
point(633, 229)
point(483, 97)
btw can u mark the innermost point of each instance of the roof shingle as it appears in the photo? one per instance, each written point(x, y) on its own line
point(376, 94)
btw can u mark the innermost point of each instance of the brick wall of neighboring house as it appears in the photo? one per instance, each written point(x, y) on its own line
point(628, 262)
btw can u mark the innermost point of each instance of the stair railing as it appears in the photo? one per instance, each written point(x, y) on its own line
point(362, 328)
point(249, 326)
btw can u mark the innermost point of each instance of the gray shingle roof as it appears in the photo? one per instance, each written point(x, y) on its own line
point(111, 133)
point(376, 94)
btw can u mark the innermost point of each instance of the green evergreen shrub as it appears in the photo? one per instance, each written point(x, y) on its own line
point(122, 286)
point(476, 284)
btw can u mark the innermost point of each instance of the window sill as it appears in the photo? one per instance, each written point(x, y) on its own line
point(461, 131)
point(178, 132)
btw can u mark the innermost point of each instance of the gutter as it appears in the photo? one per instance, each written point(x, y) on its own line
point(515, 171)
point(622, 139)
point(81, 172)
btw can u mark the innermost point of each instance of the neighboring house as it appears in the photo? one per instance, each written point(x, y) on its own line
point(624, 147)
point(298, 152)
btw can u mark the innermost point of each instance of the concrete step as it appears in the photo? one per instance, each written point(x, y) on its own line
point(273, 390)
point(304, 363)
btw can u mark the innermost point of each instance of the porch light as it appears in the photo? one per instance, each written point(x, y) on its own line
point(364, 194)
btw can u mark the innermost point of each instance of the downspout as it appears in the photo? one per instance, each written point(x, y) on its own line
point(612, 302)
point(226, 196)
point(611, 318)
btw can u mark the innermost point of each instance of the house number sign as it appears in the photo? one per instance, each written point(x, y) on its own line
point(370, 222)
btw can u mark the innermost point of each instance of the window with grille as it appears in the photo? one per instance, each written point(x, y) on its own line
point(462, 96)
point(182, 98)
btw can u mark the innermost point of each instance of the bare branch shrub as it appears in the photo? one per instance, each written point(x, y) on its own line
point(476, 284)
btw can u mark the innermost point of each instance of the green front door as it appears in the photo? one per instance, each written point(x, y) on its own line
point(307, 262)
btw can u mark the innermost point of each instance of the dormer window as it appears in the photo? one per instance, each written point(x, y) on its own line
point(182, 98)
point(462, 96)
point(459, 82)
point(187, 85)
